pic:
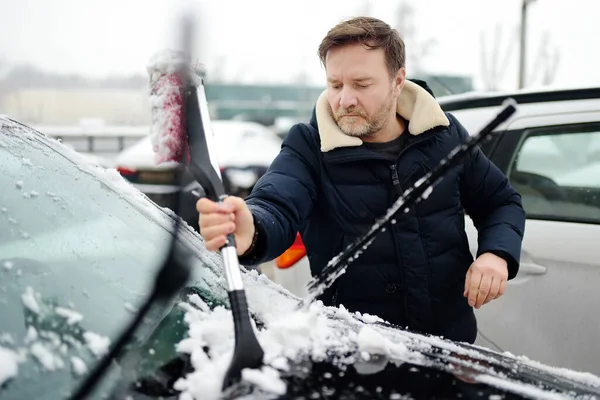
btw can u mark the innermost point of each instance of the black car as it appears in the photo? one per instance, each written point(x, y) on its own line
point(79, 250)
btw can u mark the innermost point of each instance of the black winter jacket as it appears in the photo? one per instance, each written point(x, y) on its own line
point(331, 188)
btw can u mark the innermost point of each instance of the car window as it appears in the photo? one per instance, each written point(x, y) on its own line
point(76, 261)
point(557, 172)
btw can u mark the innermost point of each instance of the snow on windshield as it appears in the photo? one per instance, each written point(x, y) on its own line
point(289, 335)
point(109, 177)
point(9, 364)
point(48, 348)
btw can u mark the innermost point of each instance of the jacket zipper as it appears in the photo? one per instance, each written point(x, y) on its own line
point(396, 182)
point(395, 178)
point(393, 167)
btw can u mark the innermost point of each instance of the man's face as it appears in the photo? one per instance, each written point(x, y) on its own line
point(360, 91)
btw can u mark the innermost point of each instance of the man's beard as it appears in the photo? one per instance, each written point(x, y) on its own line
point(358, 124)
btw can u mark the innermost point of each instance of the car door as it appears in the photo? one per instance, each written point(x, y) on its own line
point(549, 311)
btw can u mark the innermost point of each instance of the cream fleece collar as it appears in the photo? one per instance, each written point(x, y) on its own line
point(415, 104)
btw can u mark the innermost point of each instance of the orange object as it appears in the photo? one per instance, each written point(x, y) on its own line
point(126, 171)
point(292, 255)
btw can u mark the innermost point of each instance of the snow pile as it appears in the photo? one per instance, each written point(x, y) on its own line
point(79, 367)
point(523, 389)
point(293, 335)
point(316, 332)
point(373, 342)
point(266, 378)
point(96, 343)
point(30, 301)
point(169, 72)
point(46, 357)
point(32, 335)
point(71, 316)
point(206, 329)
point(9, 364)
point(48, 348)
point(583, 377)
point(6, 337)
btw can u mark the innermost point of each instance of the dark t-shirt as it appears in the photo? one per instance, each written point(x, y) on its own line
point(392, 148)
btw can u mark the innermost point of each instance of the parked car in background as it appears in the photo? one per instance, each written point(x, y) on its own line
point(78, 256)
point(245, 148)
point(550, 151)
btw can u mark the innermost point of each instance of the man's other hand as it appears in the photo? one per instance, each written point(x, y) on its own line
point(486, 279)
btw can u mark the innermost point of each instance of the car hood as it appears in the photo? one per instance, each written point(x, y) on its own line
point(320, 351)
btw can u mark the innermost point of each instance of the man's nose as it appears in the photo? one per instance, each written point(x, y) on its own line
point(348, 98)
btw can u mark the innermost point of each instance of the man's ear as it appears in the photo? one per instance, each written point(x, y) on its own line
point(399, 81)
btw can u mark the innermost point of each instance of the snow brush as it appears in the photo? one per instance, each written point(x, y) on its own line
point(182, 131)
point(338, 265)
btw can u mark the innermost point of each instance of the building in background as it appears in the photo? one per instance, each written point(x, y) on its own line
point(128, 105)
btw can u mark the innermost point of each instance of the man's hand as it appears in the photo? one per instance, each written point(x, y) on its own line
point(217, 220)
point(486, 279)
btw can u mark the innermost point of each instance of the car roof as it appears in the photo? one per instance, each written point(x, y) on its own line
point(140, 154)
point(472, 100)
point(475, 109)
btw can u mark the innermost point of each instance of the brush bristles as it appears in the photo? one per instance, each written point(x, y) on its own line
point(170, 75)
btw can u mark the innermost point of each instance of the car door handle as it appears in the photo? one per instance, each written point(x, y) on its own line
point(530, 268)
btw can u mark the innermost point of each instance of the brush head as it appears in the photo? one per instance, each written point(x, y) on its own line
point(170, 74)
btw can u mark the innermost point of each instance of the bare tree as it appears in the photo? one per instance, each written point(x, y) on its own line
point(494, 62)
point(417, 48)
point(546, 62)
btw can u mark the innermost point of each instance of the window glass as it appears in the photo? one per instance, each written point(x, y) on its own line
point(557, 173)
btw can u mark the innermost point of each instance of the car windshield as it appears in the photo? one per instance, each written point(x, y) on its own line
point(76, 260)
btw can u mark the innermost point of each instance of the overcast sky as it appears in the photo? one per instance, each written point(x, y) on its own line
point(275, 40)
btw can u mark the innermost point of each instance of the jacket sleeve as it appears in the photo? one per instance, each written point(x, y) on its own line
point(283, 197)
point(493, 205)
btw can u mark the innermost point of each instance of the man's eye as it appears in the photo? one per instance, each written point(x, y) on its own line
point(363, 86)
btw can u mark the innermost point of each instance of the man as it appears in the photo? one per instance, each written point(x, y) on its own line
point(372, 135)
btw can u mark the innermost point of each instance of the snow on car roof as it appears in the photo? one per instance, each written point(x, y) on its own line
point(233, 146)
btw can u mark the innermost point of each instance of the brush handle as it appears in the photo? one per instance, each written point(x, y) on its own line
point(247, 353)
point(241, 315)
point(231, 264)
